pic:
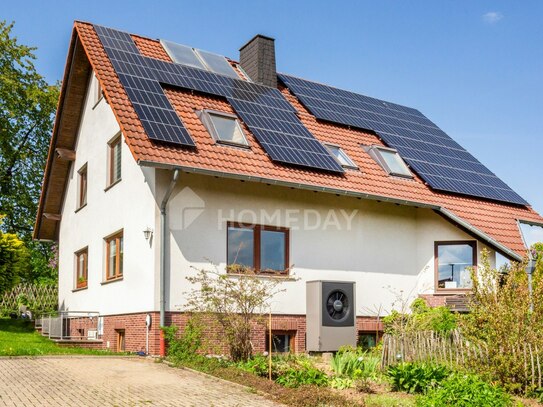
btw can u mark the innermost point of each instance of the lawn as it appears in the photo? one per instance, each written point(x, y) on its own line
point(18, 338)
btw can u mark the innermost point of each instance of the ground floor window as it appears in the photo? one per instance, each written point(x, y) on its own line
point(281, 341)
point(81, 272)
point(367, 340)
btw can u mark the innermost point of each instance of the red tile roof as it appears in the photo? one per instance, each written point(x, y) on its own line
point(497, 220)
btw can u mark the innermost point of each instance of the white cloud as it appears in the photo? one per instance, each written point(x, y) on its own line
point(492, 17)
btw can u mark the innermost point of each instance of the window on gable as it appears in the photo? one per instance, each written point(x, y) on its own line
point(114, 161)
point(341, 157)
point(114, 256)
point(223, 127)
point(96, 91)
point(390, 160)
point(257, 247)
point(82, 196)
point(454, 261)
point(81, 268)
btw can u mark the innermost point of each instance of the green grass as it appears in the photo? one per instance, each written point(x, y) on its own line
point(18, 338)
point(389, 400)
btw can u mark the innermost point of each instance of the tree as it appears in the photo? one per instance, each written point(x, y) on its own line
point(238, 302)
point(14, 260)
point(27, 106)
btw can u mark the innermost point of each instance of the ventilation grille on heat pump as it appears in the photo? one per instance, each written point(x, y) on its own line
point(337, 305)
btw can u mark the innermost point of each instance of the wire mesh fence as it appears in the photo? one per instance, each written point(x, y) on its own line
point(37, 298)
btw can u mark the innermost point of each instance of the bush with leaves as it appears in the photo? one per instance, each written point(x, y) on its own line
point(355, 364)
point(14, 260)
point(506, 323)
point(416, 377)
point(185, 346)
point(421, 318)
point(237, 302)
point(465, 390)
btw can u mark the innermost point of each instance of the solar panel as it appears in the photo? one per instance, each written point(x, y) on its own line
point(438, 159)
point(150, 103)
point(264, 110)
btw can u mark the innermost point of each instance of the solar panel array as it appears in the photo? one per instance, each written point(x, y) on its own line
point(264, 110)
point(438, 159)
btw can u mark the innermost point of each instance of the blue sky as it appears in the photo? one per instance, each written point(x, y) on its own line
point(474, 68)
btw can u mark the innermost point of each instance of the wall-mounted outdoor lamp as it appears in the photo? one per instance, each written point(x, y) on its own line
point(147, 233)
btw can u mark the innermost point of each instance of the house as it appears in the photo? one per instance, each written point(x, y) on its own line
point(164, 158)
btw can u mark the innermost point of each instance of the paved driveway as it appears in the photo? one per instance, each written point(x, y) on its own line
point(112, 381)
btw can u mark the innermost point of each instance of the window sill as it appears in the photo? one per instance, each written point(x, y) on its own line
point(80, 289)
point(452, 291)
point(113, 280)
point(81, 207)
point(224, 143)
point(284, 277)
point(112, 185)
point(98, 101)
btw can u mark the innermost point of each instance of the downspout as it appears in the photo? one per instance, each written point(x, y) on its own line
point(162, 277)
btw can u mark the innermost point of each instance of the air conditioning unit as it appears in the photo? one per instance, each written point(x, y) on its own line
point(331, 315)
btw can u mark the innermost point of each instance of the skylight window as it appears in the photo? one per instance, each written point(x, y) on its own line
point(197, 58)
point(224, 127)
point(390, 160)
point(341, 157)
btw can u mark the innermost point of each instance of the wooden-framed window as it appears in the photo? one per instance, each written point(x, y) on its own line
point(454, 261)
point(82, 268)
point(261, 248)
point(114, 256)
point(114, 173)
point(281, 341)
point(82, 185)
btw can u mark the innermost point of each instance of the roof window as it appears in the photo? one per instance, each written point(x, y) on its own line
point(223, 127)
point(390, 160)
point(341, 157)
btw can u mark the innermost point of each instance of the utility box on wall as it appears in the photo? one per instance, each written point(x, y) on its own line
point(331, 315)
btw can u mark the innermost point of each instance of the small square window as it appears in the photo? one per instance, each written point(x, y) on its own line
point(114, 161)
point(281, 341)
point(81, 268)
point(454, 261)
point(82, 196)
point(224, 128)
point(390, 160)
point(341, 157)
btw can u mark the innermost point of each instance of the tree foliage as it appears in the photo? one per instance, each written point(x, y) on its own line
point(237, 302)
point(27, 106)
point(14, 260)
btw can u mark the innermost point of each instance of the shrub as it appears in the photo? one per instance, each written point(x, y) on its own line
point(464, 390)
point(288, 371)
point(355, 364)
point(185, 346)
point(341, 383)
point(416, 377)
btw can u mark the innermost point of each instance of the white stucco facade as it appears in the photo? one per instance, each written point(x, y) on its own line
point(387, 249)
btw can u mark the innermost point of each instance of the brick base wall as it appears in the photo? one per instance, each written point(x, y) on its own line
point(434, 300)
point(134, 329)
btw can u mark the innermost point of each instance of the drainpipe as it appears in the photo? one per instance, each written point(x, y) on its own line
point(162, 277)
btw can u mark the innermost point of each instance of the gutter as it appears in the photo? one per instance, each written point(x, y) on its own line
point(162, 277)
point(437, 208)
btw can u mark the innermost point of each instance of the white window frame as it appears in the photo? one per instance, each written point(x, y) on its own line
point(351, 165)
point(375, 152)
point(205, 117)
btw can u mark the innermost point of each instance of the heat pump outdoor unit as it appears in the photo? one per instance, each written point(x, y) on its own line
point(331, 315)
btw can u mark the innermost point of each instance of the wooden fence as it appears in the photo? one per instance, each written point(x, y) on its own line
point(453, 349)
point(37, 298)
point(430, 347)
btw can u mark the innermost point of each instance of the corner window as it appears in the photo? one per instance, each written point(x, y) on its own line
point(341, 157)
point(281, 341)
point(390, 161)
point(454, 261)
point(223, 127)
point(114, 256)
point(114, 174)
point(82, 268)
point(82, 196)
point(262, 248)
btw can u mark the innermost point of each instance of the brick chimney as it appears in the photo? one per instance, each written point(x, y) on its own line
point(257, 58)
